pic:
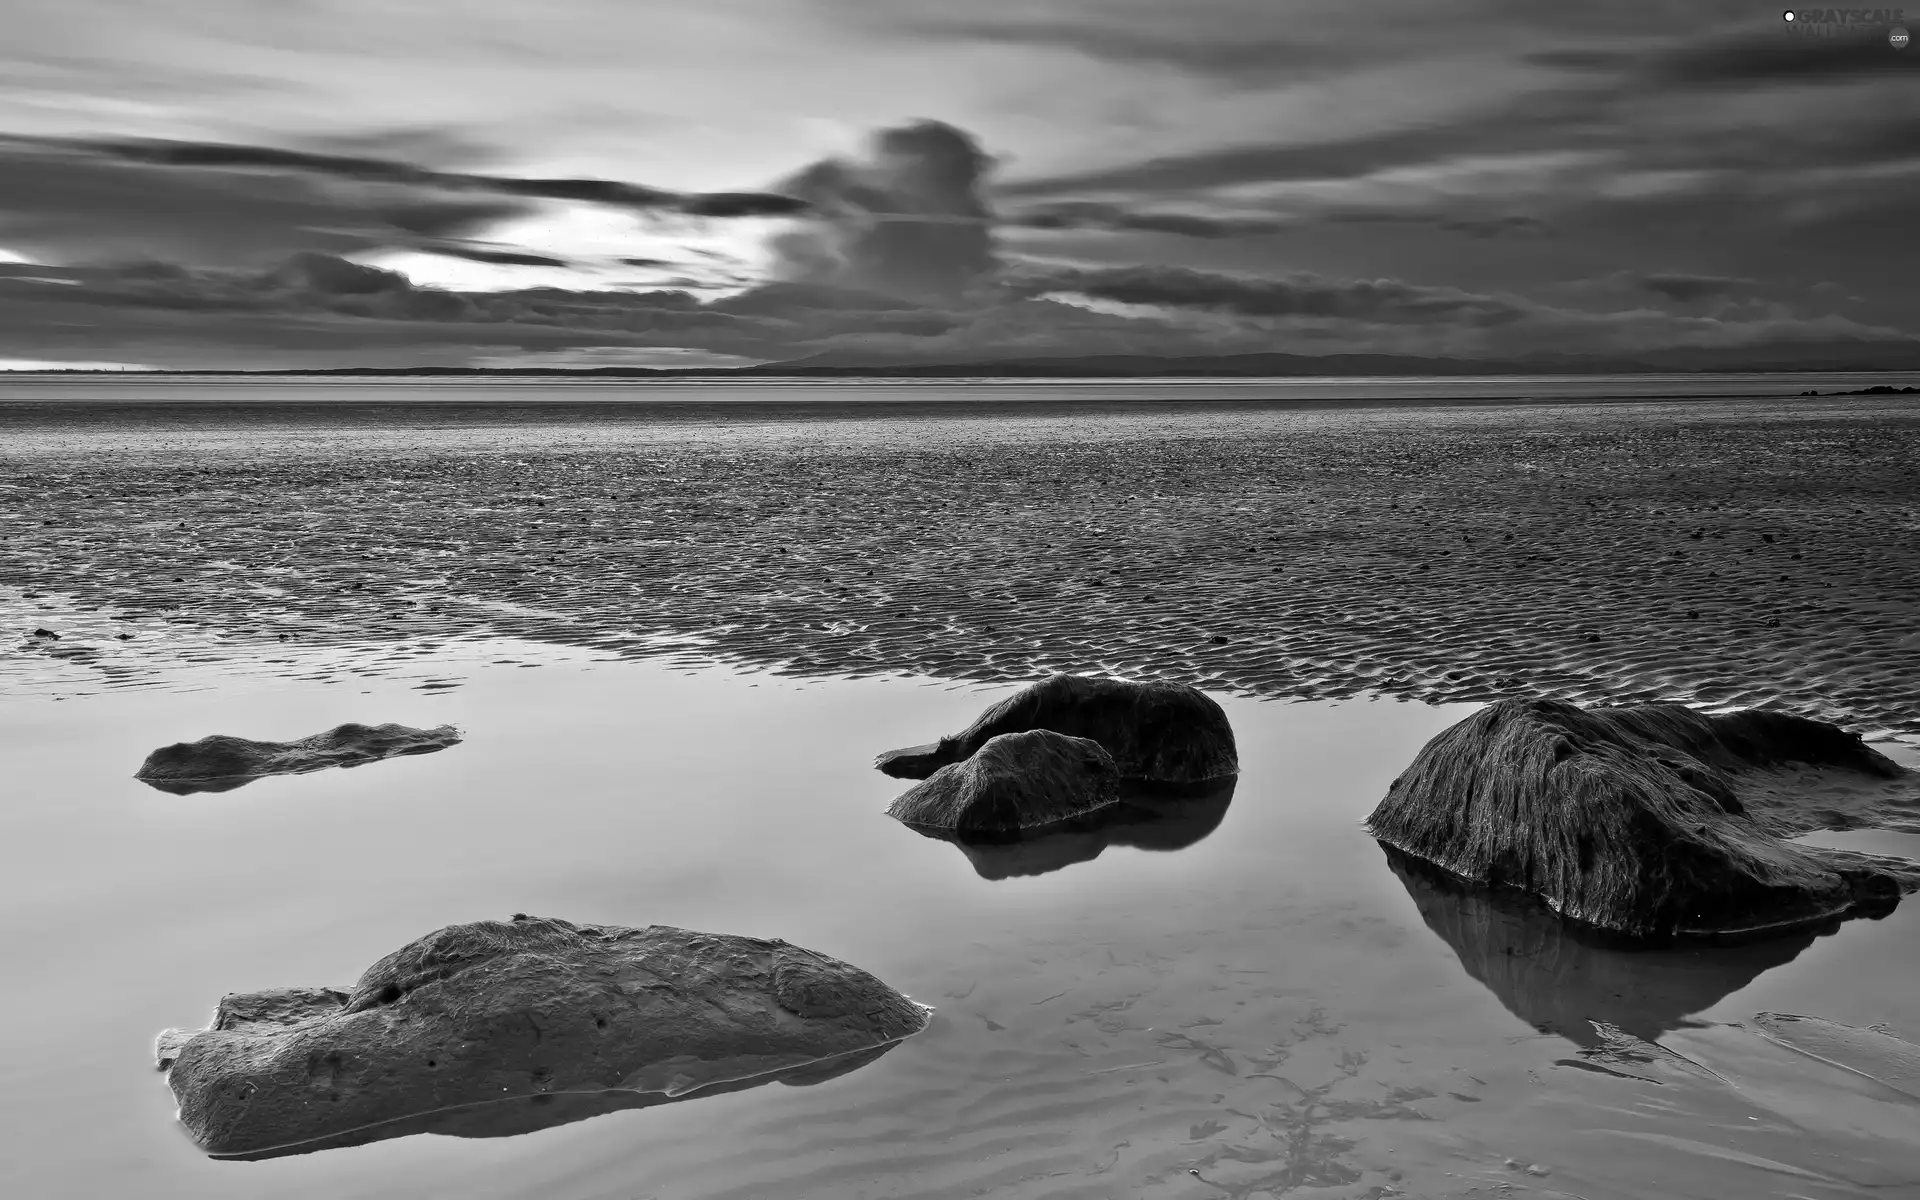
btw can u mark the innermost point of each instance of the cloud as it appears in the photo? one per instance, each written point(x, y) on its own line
point(905, 219)
point(1094, 214)
point(1299, 294)
point(221, 205)
point(318, 310)
point(222, 156)
point(1743, 58)
point(482, 254)
point(1227, 54)
point(1687, 288)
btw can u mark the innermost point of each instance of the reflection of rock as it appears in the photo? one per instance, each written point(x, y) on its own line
point(1016, 781)
point(1159, 731)
point(1652, 820)
point(219, 763)
point(1141, 820)
point(1562, 978)
point(498, 1028)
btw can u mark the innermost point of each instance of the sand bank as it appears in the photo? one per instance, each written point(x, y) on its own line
point(1725, 552)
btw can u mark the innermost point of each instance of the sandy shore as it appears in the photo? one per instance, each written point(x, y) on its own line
point(1726, 552)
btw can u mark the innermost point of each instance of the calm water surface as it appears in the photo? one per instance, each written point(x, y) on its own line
point(1272, 1010)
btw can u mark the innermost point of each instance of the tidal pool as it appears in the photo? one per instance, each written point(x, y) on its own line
point(1269, 1009)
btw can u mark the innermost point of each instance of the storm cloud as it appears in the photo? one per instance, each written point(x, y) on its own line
point(904, 219)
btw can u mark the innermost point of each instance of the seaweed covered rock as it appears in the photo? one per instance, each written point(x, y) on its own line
point(1653, 820)
point(218, 763)
point(1157, 731)
point(498, 1028)
point(1142, 821)
point(1016, 782)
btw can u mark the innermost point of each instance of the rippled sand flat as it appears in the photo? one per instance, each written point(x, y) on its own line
point(1724, 551)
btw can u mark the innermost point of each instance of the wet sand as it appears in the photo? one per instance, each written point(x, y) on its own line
point(1723, 551)
point(1271, 1011)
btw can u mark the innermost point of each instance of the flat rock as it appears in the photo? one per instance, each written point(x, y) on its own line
point(1013, 783)
point(501, 1027)
point(1655, 820)
point(1156, 731)
point(219, 763)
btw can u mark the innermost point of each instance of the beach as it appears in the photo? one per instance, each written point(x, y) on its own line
point(1720, 551)
point(674, 636)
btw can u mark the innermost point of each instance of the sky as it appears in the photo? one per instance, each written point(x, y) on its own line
point(324, 183)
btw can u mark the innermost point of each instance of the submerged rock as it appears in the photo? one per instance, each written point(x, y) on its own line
point(498, 1028)
point(1158, 731)
point(1140, 819)
point(1653, 820)
point(1016, 782)
point(219, 763)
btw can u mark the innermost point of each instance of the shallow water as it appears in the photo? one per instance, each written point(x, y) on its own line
point(1273, 1009)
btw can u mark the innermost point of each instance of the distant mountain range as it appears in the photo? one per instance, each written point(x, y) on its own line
point(1852, 356)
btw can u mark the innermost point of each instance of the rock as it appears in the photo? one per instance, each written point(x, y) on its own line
point(1014, 783)
point(1157, 731)
point(219, 763)
point(1654, 821)
point(498, 1028)
point(1145, 822)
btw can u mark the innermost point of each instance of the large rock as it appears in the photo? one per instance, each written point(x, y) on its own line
point(1144, 821)
point(218, 763)
point(1653, 820)
point(498, 1028)
point(1156, 731)
point(1016, 782)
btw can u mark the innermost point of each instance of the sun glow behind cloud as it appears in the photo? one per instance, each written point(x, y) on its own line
point(601, 249)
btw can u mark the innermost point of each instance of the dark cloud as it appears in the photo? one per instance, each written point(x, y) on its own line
point(905, 219)
point(220, 156)
point(1688, 288)
point(247, 206)
point(1508, 225)
point(1094, 214)
point(326, 301)
point(1511, 225)
point(319, 310)
point(1744, 58)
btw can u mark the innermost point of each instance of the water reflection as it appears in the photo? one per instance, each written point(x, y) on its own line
point(531, 1114)
point(1560, 978)
point(1147, 817)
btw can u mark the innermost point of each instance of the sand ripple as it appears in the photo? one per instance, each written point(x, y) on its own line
point(1728, 553)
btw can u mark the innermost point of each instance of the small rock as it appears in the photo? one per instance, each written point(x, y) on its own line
point(1157, 731)
point(1016, 782)
point(46, 633)
point(219, 763)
